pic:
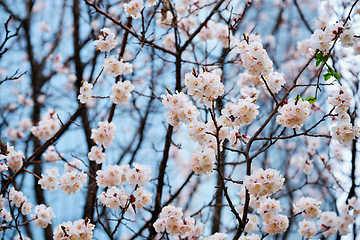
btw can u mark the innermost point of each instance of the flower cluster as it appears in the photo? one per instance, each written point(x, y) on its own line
point(204, 133)
point(223, 35)
point(15, 160)
point(236, 139)
point(187, 25)
point(347, 216)
point(343, 131)
point(72, 182)
point(249, 92)
point(309, 207)
point(170, 220)
point(142, 198)
point(134, 7)
point(48, 125)
point(115, 175)
point(277, 224)
point(114, 67)
point(303, 47)
point(164, 21)
point(205, 87)
point(203, 160)
point(196, 232)
point(112, 176)
point(14, 134)
point(255, 58)
point(302, 163)
point(139, 175)
point(217, 236)
point(3, 167)
point(19, 200)
point(250, 237)
point(274, 81)
point(328, 223)
point(340, 99)
point(43, 215)
point(4, 214)
point(245, 79)
point(185, 7)
point(307, 228)
point(51, 155)
point(347, 38)
point(80, 229)
point(207, 32)
point(121, 92)
point(180, 109)
point(264, 183)
point(252, 225)
point(85, 92)
point(169, 41)
point(114, 198)
point(321, 39)
point(268, 208)
point(238, 113)
point(198, 133)
point(96, 154)
point(354, 204)
point(105, 134)
point(293, 114)
point(49, 181)
point(106, 41)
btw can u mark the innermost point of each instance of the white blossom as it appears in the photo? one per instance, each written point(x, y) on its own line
point(114, 198)
point(106, 41)
point(307, 228)
point(264, 182)
point(238, 113)
point(255, 58)
point(308, 207)
point(72, 182)
point(85, 92)
point(96, 154)
point(49, 181)
point(205, 87)
point(48, 125)
point(180, 109)
point(121, 92)
point(134, 7)
point(203, 160)
point(80, 229)
point(114, 67)
point(43, 215)
point(105, 134)
point(293, 114)
point(113, 175)
point(139, 175)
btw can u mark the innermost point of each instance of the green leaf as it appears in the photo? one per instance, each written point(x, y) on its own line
point(319, 56)
point(327, 76)
point(330, 70)
point(298, 97)
point(310, 99)
point(336, 75)
point(318, 62)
